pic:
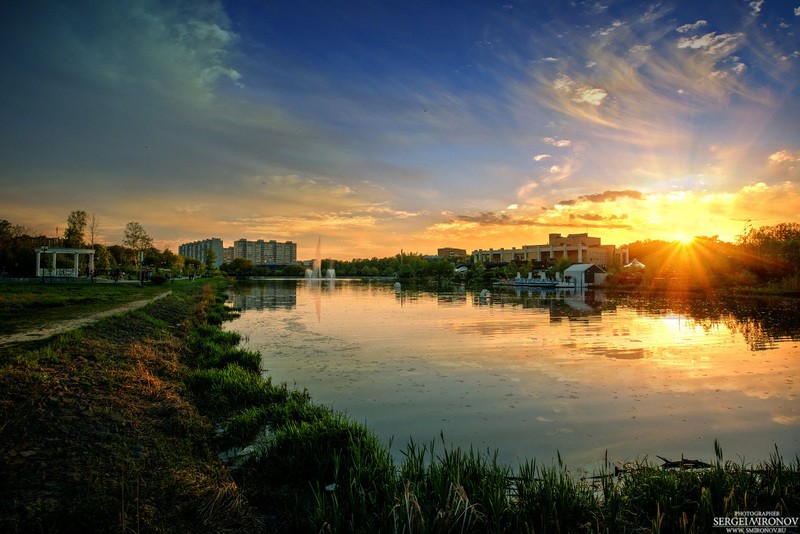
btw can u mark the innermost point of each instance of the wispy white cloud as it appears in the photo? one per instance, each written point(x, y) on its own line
point(785, 156)
point(603, 32)
point(711, 43)
point(686, 28)
point(755, 7)
point(561, 143)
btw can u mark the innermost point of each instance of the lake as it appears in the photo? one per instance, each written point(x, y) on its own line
point(533, 374)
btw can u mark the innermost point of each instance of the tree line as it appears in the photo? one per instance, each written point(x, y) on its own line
point(405, 265)
point(765, 256)
point(18, 246)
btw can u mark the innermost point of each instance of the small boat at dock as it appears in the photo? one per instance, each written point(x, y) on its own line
point(530, 281)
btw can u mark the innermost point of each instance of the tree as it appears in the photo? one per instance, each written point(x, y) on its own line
point(76, 227)
point(94, 224)
point(238, 267)
point(211, 259)
point(136, 237)
point(17, 243)
point(102, 259)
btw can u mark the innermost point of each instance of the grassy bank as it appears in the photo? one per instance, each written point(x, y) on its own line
point(119, 426)
point(98, 433)
point(23, 306)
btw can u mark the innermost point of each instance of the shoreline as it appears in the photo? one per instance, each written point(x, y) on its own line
point(149, 402)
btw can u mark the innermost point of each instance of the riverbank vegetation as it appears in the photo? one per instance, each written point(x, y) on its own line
point(120, 426)
point(18, 251)
point(23, 306)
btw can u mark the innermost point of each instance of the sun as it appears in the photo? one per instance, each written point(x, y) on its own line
point(683, 239)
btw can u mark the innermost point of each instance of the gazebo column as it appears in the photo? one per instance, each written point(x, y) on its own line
point(91, 264)
point(38, 263)
point(75, 264)
point(52, 262)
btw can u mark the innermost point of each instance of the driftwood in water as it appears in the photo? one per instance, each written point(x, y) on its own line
point(683, 463)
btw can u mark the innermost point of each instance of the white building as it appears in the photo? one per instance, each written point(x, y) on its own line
point(583, 275)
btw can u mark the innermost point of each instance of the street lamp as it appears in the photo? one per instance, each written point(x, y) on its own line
point(42, 252)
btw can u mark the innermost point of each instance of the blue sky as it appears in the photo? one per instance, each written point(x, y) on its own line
point(414, 125)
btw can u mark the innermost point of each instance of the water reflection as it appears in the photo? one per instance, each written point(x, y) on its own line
point(762, 321)
point(260, 296)
point(561, 303)
point(532, 372)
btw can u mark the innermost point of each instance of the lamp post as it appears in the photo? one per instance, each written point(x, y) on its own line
point(42, 252)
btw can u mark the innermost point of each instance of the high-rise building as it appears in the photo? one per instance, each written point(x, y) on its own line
point(199, 250)
point(262, 252)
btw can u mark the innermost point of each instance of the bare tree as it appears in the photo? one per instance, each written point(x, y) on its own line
point(93, 225)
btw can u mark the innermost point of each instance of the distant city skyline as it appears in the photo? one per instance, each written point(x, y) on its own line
point(381, 126)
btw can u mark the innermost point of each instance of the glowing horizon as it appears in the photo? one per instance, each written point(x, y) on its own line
point(382, 127)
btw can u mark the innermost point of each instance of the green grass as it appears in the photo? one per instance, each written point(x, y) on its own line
point(331, 475)
point(98, 435)
point(215, 348)
point(27, 306)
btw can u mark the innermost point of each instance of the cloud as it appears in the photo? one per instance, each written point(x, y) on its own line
point(579, 93)
point(557, 142)
point(785, 156)
point(640, 53)
point(755, 7)
point(597, 217)
point(711, 43)
point(625, 216)
point(488, 218)
point(557, 173)
point(686, 28)
point(603, 32)
point(540, 157)
point(606, 196)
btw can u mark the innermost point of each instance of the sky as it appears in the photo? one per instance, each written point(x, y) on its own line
point(377, 126)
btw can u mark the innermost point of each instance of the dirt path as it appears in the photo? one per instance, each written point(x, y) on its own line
point(48, 330)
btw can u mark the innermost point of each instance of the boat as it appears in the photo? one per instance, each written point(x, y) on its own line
point(527, 282)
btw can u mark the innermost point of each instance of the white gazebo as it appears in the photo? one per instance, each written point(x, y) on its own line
point(51, 270)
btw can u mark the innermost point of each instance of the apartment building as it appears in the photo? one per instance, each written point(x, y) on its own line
point(577, 248)
point(451, 253)
point(262, 252)
point(199, 250)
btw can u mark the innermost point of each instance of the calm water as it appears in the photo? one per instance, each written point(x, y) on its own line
point(533, 373)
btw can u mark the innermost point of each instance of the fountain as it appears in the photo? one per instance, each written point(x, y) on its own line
point(316, 267)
